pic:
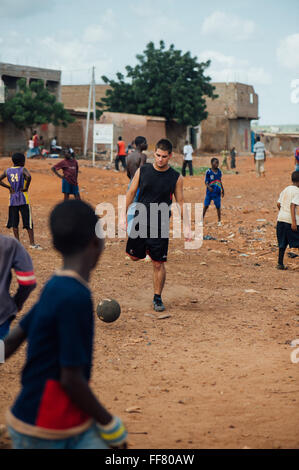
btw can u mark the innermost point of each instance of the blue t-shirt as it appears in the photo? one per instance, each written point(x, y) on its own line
point(59, 331)
point(214, 180)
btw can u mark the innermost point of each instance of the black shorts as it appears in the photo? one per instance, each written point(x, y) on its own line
point(286, 236)
point(156, 248)
point(13, 216)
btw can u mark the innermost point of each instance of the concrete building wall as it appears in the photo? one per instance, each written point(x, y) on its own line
point(76, 96)
point(10, 74)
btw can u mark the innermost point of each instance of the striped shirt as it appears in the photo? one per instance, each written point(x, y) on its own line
point(13, 256)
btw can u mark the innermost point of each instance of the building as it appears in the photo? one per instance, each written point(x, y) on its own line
point(229, 121)
point(11, 138)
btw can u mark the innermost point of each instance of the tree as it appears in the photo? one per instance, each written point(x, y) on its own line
point(164, 83)
point(33, 105)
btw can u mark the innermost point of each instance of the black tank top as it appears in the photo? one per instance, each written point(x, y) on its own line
point(157, 187)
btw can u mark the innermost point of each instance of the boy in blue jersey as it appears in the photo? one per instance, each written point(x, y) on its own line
point(56, 408)
point(214, 188)
point(19, 180)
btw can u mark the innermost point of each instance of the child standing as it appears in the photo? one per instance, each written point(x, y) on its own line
point(287, 221)
point(19, 180)
point(70, 169)
point(214, 188)
point(56, 408)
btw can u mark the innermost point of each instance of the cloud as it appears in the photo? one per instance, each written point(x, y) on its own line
point(231, 69)
point(288, 52)
point(103, 31)
point(23, 8)
point(226, 25)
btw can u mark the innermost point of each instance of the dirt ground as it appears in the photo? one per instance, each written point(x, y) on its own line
point(217, 373)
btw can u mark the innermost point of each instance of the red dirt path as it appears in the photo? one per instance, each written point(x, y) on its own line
point(218, 372)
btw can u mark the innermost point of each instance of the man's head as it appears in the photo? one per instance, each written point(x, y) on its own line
point(18, 159)
point(73, 225)
point(66, 154)
point(141, 143)
point(163, 153)
point(258, 138)
point(186, 142)
point(295, 178)
point(214, 163)
point(120, 138)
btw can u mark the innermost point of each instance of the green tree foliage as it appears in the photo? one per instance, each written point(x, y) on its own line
point(33, 105)
point(164, 83)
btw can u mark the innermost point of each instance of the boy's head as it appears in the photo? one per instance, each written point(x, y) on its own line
point(214, 163)
point(141, 143)
point(120, 138)
point(295, 178)
point(186, 142)
point(65, 154)
point(258, 138)
point(73, 224)
point(18, 159)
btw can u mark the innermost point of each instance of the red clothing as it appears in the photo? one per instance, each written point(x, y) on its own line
point(121, 148)
point(35, 140)
point(70, 170)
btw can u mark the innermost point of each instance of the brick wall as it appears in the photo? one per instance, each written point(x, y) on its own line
point(76, 96)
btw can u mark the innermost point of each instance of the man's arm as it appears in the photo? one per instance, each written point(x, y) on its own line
point(293, 215)
point(222, 189)
point(13, 341)
point(131, 193)
point(56, 172)
point(2, 177)
point(27, 178)
point(179, 197)
point(278, 206)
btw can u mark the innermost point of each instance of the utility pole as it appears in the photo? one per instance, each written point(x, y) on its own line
point(88, 118)
point(94, 115)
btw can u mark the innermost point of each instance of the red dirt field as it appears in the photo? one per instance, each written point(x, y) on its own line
point(217, 373)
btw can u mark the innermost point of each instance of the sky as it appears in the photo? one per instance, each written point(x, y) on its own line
point(254, 42)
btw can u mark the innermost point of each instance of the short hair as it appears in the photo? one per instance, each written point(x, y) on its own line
point(18, 159)
point(140, 140)
point(164, 144)
point(186, 142)
point(72, 225)
point(295, 177)
point(214, 159)
point(120, 137)
point(258, 138)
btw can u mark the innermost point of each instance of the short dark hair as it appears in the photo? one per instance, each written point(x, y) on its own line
point(295, 177)
point(120, 137)
point(140, 140)
point(72, 225)
point(164, 144)
point(258, 138)
point(213, 159)
point(18, 159)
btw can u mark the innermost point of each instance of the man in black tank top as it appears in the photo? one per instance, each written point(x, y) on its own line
point(157, 183)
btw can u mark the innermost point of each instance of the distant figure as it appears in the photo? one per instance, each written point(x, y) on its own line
point(187, 151)
point(259, 157)
point(54, 147)
point(30, 148)
point(70, 169)
point(233, 154)
point(297, 159)
point(35, 143)
point(224, 154)
point(19, 179)
point(287, 228)
point(131, 147)
point(214, 188)
point(121, 154)
point(70, 151)
point(137, 158)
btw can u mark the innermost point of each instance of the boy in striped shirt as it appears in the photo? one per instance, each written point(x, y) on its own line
point(13, 256)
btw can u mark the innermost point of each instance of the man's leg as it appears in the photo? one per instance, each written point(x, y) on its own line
point(77, 196)
point(219, 214)
point(16, 233)
point(31, 236)
point(190, 168)
point(66, 196)
point(123, 162)
point(116, 163)
point(159, 276)
point(184, 168)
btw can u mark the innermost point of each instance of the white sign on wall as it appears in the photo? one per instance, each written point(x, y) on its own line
point(103, 134)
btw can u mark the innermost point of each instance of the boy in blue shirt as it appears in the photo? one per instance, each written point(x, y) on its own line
point(214, 188)
point(56, 408)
